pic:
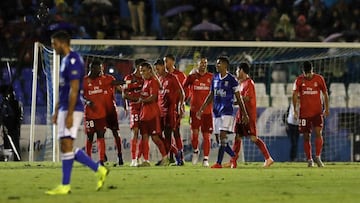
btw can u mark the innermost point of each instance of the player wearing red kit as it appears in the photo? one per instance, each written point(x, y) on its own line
point(308, 88)
point(247, 91)
point(150, 115)
point(95, 110)
point(112, 113)
point(131, 92)
point(199, 84)
point(169, 93)
point(170, 67)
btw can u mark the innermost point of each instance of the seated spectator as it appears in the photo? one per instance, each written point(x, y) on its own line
point(263, 31)
point(285, 25)
point(302, 29)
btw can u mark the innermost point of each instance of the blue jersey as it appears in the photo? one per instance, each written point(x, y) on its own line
point(71, 68)
point(224, 90)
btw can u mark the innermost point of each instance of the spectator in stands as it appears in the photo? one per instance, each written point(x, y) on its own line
point(285, 25)
point(137, 12)
point(263, 31)
point(302, 29)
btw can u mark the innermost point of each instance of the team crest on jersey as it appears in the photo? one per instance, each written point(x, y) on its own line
point(208, 80)
point(315, 84)
point(72, 61)
point(226, 83)
point(100, 83)
point(166, 83)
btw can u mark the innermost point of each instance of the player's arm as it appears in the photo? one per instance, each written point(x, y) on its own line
point(73, 94)
point(55, 114)
point(240, 101)
point(207, 101)
point(295, 102)
point(148, 99)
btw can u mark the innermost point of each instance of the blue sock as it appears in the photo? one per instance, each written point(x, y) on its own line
point(229, 150)
point(81, 157)
point(220, 154)
point(67, 164)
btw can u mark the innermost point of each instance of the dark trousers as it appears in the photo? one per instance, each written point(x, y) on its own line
point(293, 134)
point(14, 132)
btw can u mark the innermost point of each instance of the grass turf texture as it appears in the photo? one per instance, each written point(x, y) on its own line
point(283, 182)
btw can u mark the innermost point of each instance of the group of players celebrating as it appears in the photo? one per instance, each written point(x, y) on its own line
point(156, 95)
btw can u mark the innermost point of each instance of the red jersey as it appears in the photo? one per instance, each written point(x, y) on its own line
point(199, 87)
point(150, 110)
point(168, 93)
point(109, 92)
point(247, 89)
point(94, 92)
point(310, 95)
point(133, 88)
point(181, 78)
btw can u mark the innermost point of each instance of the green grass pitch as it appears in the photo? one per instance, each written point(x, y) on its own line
point(283, 182)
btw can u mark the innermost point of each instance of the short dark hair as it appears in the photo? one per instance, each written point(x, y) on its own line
point(170, 56)
point(159, 62)
point(245, 67)
point(307, 67)
point(224, 59)
point(61, 36)
point(147, 65)
point(139, 61)
point(95, 63)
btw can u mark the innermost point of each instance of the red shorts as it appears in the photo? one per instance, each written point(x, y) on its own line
point(94, 125)
point(112, 120)
point(169, 121)
point(306, 124)
point(206, 122)
point(246, 130)
point(134, 120)
point(150, 127)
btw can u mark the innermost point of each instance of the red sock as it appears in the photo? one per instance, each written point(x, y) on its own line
point(194, 140)
point(178, 141)
point(262, 148)
point(140, 148)
point(318, 145)
point(117, 141)
point(160, 144)
point(133, 148)
point(236, 148)
point(101, 148)
point(88, 147)
point(206, 143)
point(307, 149)
point(145, 149)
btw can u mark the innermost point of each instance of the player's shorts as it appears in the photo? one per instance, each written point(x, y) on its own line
point(248, 129)
point(134, 120)
point(150, 127)
point(306, 124)
point(64, 132)
point(112, 120)
point(169, 121)
point(224, 123)
point(95, 125)
point(206, 122)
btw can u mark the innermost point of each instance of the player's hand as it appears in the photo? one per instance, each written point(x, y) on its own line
point(89, 103)
point(326, 113)
point(198, 114)
point(245, 119)
point(68, 121)
point(54, 118)
point(296, 114)
point(182, 110)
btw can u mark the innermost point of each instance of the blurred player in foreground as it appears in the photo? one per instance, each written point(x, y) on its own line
point(68, 114)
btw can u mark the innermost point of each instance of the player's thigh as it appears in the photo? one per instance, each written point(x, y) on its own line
point(207, 123)
point(112, 121)
point(195, 123)
point(305, 125)
point(150, 127)
point(95, 125)
point(217, 124)
point(72, 132)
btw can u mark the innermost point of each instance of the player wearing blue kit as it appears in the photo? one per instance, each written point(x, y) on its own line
point(68, 114)
point(224, 87)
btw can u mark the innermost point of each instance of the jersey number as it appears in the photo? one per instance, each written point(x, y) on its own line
point(90, 124)
point(302, 122)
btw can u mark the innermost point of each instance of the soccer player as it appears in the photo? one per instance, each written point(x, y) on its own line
point(199, 84)
point(150, 115)
point(95, 110)
point(222, 91)
point(131, 92)
point(68, 114)
point(168, 100)
point(308, 88)
point(112, 121)
point(248, 94)
point(170, 67)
